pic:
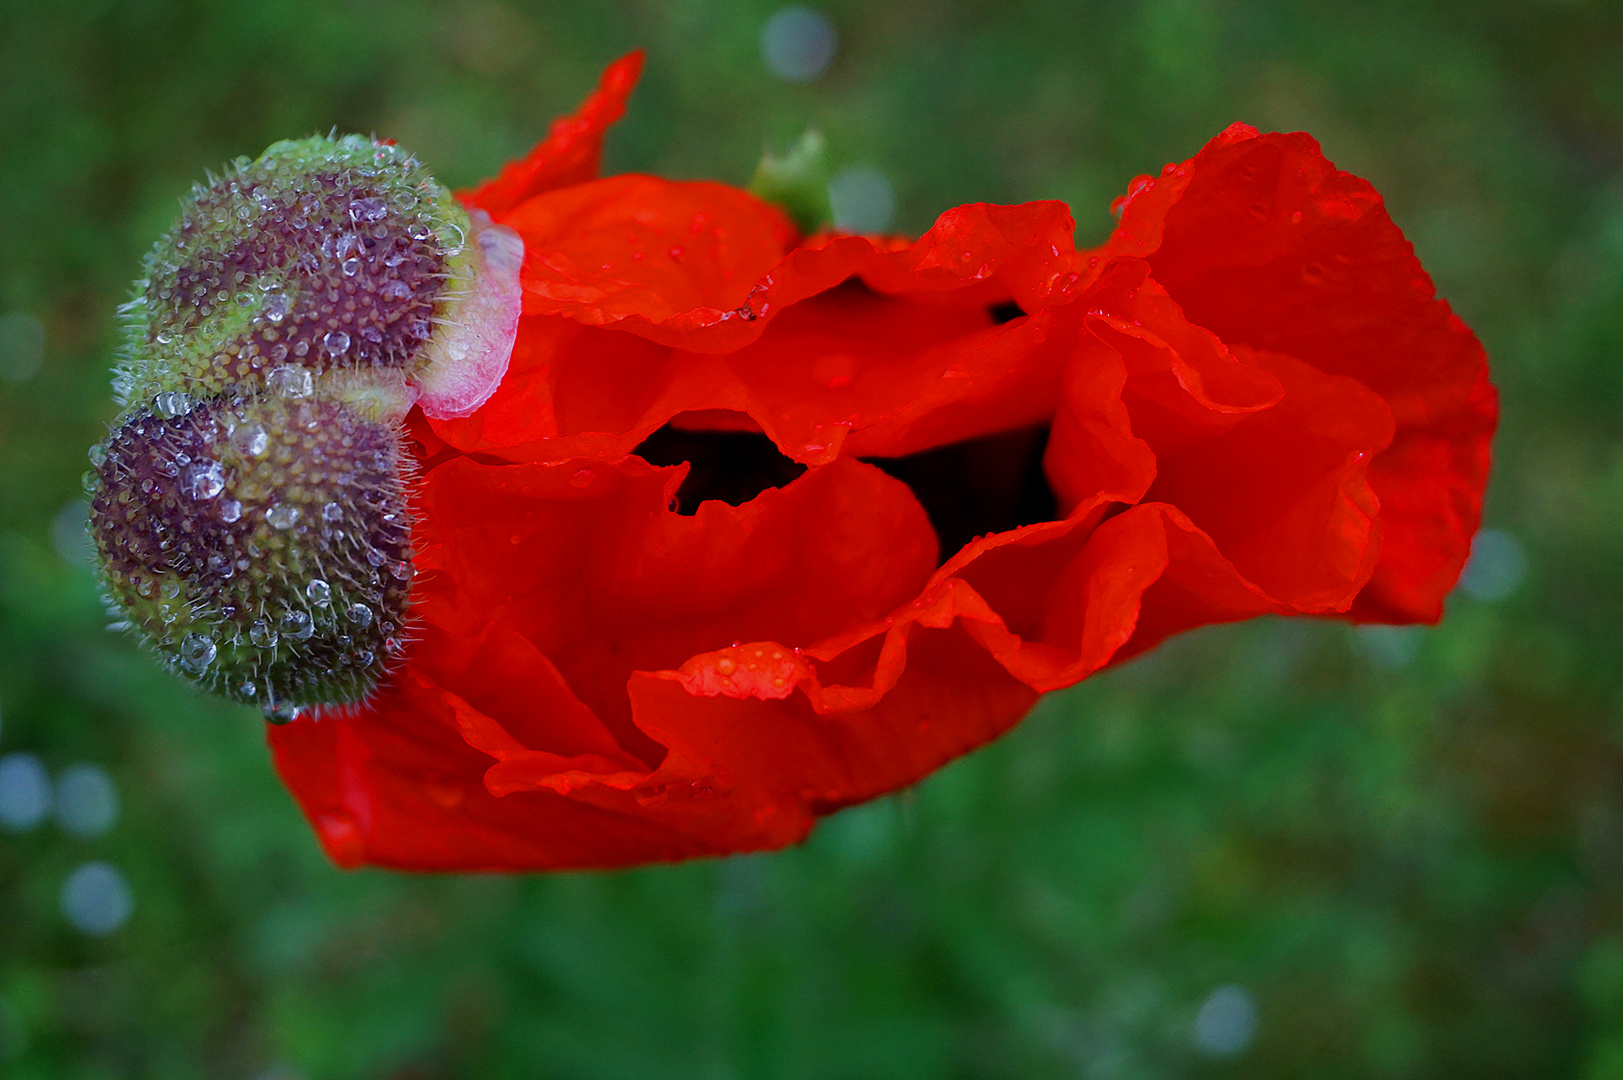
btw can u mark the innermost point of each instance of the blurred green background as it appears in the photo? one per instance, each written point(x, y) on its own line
point(1284, 849)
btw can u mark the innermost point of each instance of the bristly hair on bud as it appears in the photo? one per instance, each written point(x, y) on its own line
point(250, 506)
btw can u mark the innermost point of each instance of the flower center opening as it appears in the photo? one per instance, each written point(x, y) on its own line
point(978, 486)
point(733, 466)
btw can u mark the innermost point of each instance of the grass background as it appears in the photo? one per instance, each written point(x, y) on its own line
point(1406, 847)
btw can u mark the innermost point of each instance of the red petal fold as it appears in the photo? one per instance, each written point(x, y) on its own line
point(1266, 244)
point(1254, 404)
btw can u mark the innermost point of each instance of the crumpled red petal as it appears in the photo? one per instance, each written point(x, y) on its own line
point(1266, 244)
point(1254, 404)
point(892, 347)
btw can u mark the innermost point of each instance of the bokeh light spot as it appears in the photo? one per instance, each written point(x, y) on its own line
point(862, 199)
point(25, 791)
point(96, 900)
point(1496, 566)
point(1226, 1022)
point(86, 800)
point(798, 43)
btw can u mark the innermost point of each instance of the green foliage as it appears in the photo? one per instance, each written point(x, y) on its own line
point(1406, 845)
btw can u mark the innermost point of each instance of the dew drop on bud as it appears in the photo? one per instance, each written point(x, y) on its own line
point(296, 626)
point(98, 455)
point(400, 569)
point(230, 510)
point(332, 512)
point(360, 615)
point(204, 479)
point(197, 652)
point(280, 712)
point(319, 592)
point(335, 343)
point(367, 210)
point(282, 516)
point(172, 404)
point(292, 381)
point(275, 308)
point(350, 266)
point(220, 566)
point(251, 439)
point(262, 634)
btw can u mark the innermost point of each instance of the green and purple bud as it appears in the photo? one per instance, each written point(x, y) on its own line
point(250, 506)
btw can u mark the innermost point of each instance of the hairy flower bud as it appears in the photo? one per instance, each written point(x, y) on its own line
point(249, 507)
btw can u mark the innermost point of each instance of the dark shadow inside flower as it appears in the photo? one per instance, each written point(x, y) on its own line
point(1006, 312)
point(733, 466)
point(979, 486)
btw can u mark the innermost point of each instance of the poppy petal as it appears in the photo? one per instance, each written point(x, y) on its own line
point(1262, 241)
point(572, 150)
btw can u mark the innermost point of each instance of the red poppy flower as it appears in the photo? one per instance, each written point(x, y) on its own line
point(760, 526)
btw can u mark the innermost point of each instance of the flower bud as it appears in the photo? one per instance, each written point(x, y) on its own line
point(262, 544)
point(249, 507)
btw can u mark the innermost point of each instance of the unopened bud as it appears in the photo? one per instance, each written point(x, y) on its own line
point(249, 507)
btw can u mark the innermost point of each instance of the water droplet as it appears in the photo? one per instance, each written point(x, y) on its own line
point(172, 404)
point(98, 455)
point(319, 592)
point(364, 658)
point(275, 308)
point(367, 210)
point(335, 343)
point(359, 614)
point(291, 381)
point(401, 570)
point(280, 713)
point(376, 557)
point(395, 290)
point(204, 480)
point(332, 512)
point(282, 516)
point(196, 652)
point(230, 510)
point(251, 440)
point(262, 634)
point(170, 589)
point(297, 626)
point(350, 267)
point(220, 565)
point(455, 240)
